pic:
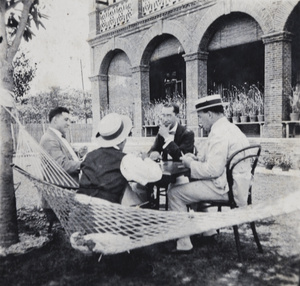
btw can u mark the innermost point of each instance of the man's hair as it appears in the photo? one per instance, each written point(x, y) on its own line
point(174, 105)
point(214, 109)
point(56, 111)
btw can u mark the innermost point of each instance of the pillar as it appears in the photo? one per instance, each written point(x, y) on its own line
point(99, 98)
point(141, 94)
point(196, 85)
point(278, 79)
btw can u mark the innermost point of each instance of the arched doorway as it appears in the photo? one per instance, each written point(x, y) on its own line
point(119, 93)
point(167, 69)
point(236, 53)
point(235, 66)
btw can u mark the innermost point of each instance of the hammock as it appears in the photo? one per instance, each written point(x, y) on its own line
point(113, 228)
point(33, 159)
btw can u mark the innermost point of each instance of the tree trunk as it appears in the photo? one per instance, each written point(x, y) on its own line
point(8, 214)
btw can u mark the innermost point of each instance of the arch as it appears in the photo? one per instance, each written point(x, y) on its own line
point(152, 37)
point(255, 9)
point(283, 12)
point(115, 45)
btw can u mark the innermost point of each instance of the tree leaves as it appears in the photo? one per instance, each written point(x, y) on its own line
point(36, 109)
point(23, 74)
point(34, 16)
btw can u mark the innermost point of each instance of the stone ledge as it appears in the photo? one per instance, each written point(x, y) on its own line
point(278, 172)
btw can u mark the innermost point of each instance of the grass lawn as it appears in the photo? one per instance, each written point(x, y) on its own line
point(211, 262)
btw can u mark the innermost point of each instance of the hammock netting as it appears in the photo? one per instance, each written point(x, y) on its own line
point(114, 228)
point(118, 228)
point(32, 158)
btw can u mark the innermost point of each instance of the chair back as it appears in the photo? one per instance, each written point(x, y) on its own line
point(240, 168)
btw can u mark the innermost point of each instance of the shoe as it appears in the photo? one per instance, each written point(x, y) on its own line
point(210, 239)
point(176, 251)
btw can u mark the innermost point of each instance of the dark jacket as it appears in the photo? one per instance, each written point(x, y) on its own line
point(184, 140)
point(101, 176)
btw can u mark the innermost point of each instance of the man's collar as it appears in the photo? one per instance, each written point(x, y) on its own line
point(174, 127)
point(219, 121)
point(57, 132)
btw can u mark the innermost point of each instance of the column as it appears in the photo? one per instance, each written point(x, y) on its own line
point(99, 98)
point(278, 80)
point(93, 18)
point(196, 85)
point(141, 94)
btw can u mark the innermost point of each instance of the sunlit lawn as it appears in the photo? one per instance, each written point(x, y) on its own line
point(211, 263)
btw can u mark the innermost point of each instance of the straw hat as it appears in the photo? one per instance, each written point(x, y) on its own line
point(113, 129)
point(209, 101)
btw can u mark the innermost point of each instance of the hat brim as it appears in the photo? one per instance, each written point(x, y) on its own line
point(121, 137)
point(212, 105)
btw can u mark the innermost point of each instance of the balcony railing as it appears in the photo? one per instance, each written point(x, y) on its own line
point(116, 15)
point(151, 6)
point(129, 11)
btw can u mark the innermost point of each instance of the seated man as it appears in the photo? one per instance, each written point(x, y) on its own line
point(172, 139)
point(209, 170)
point(54, 142)
point(109, 173)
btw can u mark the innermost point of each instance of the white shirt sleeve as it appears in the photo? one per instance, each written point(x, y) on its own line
point(133, 168)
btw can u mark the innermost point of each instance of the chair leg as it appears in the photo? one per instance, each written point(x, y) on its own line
point(260, 250)
point(157, 198)
point(237, 242)
point(166, 205)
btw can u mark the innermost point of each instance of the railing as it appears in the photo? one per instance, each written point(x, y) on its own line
point(129, 11)
point(150, 6)
point(116, 15)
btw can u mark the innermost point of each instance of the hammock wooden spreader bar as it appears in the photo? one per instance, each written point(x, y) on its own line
point(114, 228)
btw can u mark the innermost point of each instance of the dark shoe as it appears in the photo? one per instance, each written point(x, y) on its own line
point(175, 251)
point(211, 238)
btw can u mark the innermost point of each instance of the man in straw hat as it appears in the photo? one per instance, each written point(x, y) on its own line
point(108, 173)
point(209, 167)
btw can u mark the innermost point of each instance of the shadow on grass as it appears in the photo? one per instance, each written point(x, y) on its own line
point(210, 263)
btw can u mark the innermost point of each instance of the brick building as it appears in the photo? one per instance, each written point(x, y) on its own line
point(138, 45)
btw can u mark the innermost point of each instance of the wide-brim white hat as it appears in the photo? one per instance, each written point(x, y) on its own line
point(209, 101)
point(113, 129)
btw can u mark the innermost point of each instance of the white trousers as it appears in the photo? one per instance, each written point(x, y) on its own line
point(183, 195)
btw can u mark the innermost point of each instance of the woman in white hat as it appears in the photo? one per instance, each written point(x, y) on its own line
point(108, 173)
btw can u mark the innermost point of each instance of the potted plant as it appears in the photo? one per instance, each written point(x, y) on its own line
point(295, 105)
point(148, 114)
point(269, 160)
point(285, 163)
point(236, 111)
point(258, 98)
point(228, 111)
point(252, 107)
point(243, 99)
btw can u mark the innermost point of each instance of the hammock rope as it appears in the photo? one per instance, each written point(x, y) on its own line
point(32, 158)
point(113, 228)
